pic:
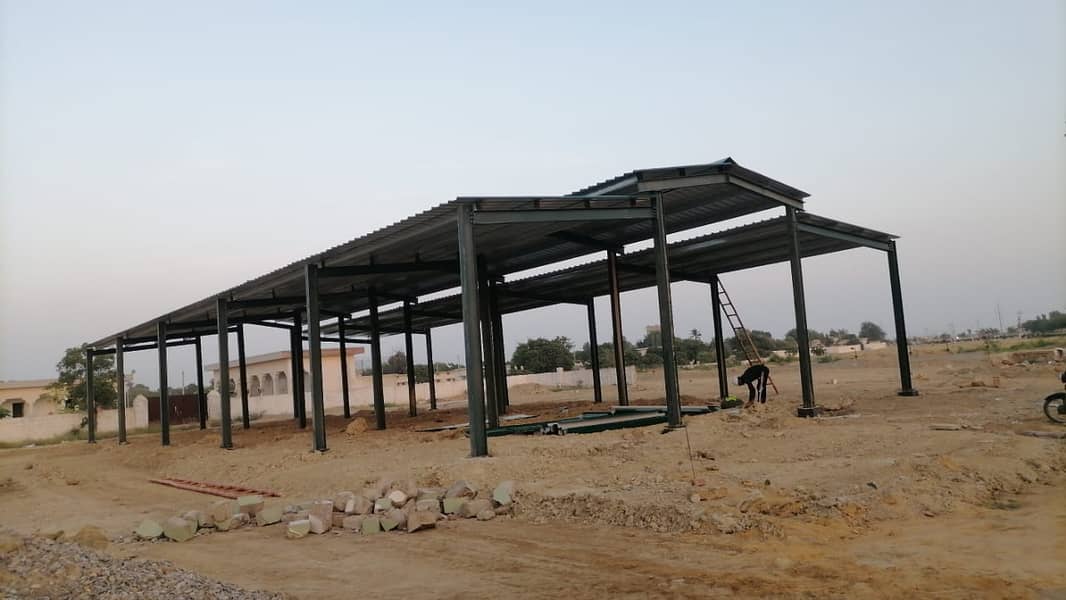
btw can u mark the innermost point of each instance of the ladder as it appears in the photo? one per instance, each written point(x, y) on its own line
point(739, 331)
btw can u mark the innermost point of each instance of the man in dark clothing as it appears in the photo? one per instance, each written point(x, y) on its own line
point(756, 376)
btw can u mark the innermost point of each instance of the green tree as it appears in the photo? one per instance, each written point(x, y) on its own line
point(1046, 323)
point(139, 389)
point(871, 331)
point(397, 363)
point(71, 381)
point(540, 355)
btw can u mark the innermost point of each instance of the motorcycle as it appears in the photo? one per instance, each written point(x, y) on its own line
point(1055, 405)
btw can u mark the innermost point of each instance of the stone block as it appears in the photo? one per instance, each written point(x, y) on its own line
point(428, 504)
point(461, 489)
point(371, 524)
point(358, 505)
point(430, 493)
point(298, 529)
point(452, 505)
point(486, 515)
point(382, 504)
point(398, 498)
point(199, 517)
point(503, 495)
point(353, 522)
point(320, 525)
point(341, 499)
point(471, 508)
point(407, 486)
point(323, 511)
point(221, 510)
point(396, 517)
point(148, 530)
point(250, 505)
point(419, 520)
point(269, 515)
point(338, 519)
point(179, 529)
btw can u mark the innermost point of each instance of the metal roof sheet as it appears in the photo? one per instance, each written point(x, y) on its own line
point(693, 196)
point(744, 247)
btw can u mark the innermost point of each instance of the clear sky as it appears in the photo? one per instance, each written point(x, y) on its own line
point(154, 153)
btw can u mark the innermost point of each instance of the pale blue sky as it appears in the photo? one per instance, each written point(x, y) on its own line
point(152, 153)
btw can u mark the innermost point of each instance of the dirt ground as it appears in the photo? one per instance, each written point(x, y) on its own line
point(868, 501)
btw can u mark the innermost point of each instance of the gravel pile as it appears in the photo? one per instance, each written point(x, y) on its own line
point(36, 567)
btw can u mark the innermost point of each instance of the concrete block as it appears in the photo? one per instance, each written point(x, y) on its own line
point(430, 493)
point(396, 517)
point(323, 511)
point(298, 529)
point(179, 529)
point(199, 517)
point(407, 486)
point(338, 519)
point(486, 515)
point(398, 498)
point(428, 504)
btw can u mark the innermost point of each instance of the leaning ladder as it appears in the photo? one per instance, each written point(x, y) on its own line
point(739, 331)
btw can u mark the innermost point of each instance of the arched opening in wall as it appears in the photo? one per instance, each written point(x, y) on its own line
point(254, 388)
point(268, 385)
point(283, 383)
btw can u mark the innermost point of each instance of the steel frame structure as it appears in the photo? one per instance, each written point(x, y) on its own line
point(474, 243)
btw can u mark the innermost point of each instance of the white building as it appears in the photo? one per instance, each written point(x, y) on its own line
point(29, 398)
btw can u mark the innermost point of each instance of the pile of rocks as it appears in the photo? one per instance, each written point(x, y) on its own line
point(385, 506)
point(397, 506)
point(221, 515)
point(38, 567)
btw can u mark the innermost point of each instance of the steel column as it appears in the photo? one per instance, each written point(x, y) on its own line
point(201, 396)
point(902, 352)
point(90, 396)
point(242, 365)
point(616, 330)
point(344, 368)
point(800, 302)
point(164, 390)
point(666, 317)
point(222, 309)
point(298, 380)
point(314, 346)
point(431, 371)
point(409, 350)
point(503, 399)
point(719, 341)
point(468, 277)
point(375, 362)
point(120, 389)
point(594, 354)
point(492, 407)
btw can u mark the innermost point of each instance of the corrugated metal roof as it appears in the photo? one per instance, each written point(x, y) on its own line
point(744, 247)
point(693, 196)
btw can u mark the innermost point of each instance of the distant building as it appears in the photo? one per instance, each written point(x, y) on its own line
point(270, 375)
point(29, 398)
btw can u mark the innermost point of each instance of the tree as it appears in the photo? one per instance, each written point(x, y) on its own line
point(1046, 323)
point(397, 363)
point(139, 389)
point(871, 331)
point(71, 381)
point(540, 355)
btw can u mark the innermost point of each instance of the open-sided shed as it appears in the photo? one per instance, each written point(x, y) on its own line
point(473, 244)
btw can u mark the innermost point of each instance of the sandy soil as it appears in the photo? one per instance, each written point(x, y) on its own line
point(869, 502)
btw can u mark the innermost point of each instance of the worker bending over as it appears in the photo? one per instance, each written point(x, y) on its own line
point(756, 377)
